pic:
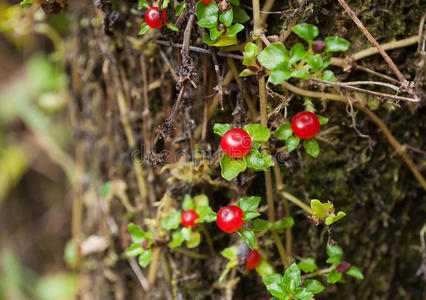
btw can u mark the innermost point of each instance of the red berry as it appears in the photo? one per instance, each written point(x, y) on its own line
point(152, 17)
point(230, 218)
point(252, 260)
point(189, 218)
point(305, 125)
point(343, 267)
point(236, 143)
point(207, 1)
point(318, 47)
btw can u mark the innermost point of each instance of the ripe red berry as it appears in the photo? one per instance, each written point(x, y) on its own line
point(207, 1)
point(318, 47)
point(152, 17)
point(305, 125)
point(252, 260)
point(236, 143)
point(230, 218)
point(189, 218)
point(343, 267)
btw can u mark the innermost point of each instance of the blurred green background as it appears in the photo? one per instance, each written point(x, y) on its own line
point(35, 167)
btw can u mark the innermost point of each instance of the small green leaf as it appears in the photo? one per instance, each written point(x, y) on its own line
point(264, 268)
point(300, 73)
point(234, 29)
point(336, 252)
point(215, 33)
point(172, 27)
point(306, 31)
point(271, 278)
point(249, 203)
point(260, 225)
point(186, 233)
point(291, 279)
point(334, 276)
point(221, 129)
point(165, 4)
point(328, 76)
point(172, 222)
point(278, 76)
point(250, 214)
point(322, 120)
point(144, 29)
point(23, 2)
point(314, 62)
point(208, 40)
point(277, 290)
point(291, 143)
point(286, 222)
point(194, 240)
point(247, 72)
point(134, 250)
point(106, 189)
point(187, 203)
point(231, 167)
point(355, 272)
point(303, 294)
point(179, 8)
point(250, 54)
point(177, 239)
point(248, 236)
point(230, 253)
point(225, 40)
point(311, 147)
point(145, 258)
point(143, 4)
point(136, 233)
point(326, 61)
point(274, 286)
point(226, 17)
point(201, 200)
point(314, 286)
point(297, 52)
point(331, 220)
point(267, 158)
point(207, 14)
point(274, 56)
point(255, 161)
point(336, 43)
point(235, 2)
point(283, 132)
point(307, 265)
point(321, 210)
point(257, 132)
point(205, 213)
point(240, 15)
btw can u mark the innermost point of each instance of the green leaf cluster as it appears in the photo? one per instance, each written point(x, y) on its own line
point(299, 62)
point(209, 18)
point(255, 159)
point(285, 133)
point(138, 237)
point(287, 286)
point(325, 212)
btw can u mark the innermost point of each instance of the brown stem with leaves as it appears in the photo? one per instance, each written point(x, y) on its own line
point(257, 30)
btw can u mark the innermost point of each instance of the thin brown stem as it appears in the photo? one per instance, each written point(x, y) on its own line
point(257, 30)
point(351, 13)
